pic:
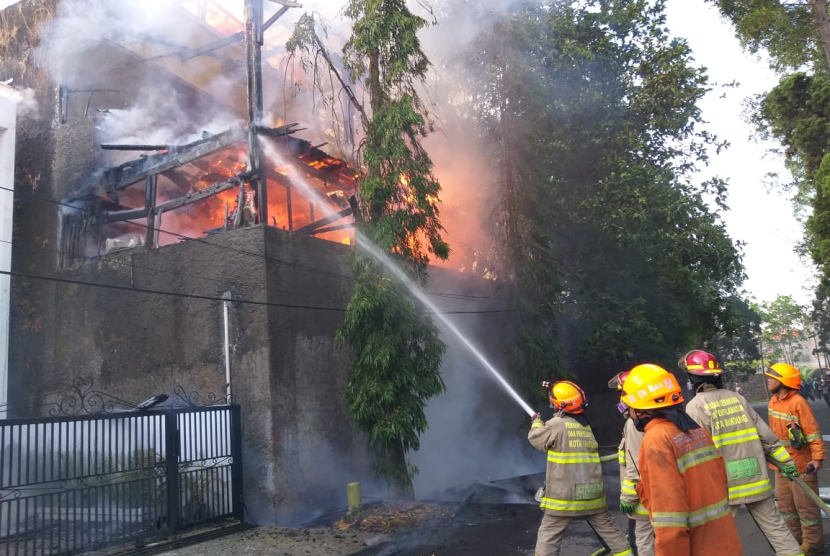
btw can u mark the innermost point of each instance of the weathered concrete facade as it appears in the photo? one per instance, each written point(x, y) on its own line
point(299, 445)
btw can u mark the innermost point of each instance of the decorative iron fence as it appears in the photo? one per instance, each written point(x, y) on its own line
point(70, 484)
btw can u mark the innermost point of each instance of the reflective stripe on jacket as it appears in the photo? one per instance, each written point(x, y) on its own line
point(792, 407)
point(743, 439)
point(573, 482)
point(684, 486)
point(629, 476)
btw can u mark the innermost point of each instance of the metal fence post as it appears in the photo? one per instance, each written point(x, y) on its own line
point(236, 468)
point(171, 443)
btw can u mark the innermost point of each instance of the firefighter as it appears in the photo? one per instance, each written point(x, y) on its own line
point(682, 476)
point(744, 439)
point(791, 419)
point(573, 482)
point(629, 477)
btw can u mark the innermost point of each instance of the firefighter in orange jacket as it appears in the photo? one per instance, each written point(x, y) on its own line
point(573, 481)
point(682, 475)
point(791, 419)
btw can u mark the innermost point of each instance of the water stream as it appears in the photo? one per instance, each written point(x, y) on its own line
point(313, 195)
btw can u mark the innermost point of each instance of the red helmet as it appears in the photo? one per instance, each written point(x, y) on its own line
point(616, 382)
point(701, 363)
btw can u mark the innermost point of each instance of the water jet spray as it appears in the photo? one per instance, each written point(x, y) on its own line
point(312, 195)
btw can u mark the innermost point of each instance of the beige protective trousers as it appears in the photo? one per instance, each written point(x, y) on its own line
point(800, 513)
point(552, 531)
point(772, 525)
point(644, 536)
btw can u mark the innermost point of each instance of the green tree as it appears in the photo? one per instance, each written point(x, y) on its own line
point(591, 111)
point(783, 328)
point(396, 350)
point(739, 352)
point(791, 32)
point(820, 316)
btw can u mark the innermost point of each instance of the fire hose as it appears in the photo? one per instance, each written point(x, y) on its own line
point(803, 486)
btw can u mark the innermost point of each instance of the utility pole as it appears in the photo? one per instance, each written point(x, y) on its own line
point(819, 9)
point(763, 366)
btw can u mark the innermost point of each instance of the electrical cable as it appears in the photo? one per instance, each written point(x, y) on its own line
point(226, 284)
point(212, 298)
point(242, 251)
point(238, 285)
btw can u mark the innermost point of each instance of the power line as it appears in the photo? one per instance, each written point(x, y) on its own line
point(250, 253)
point(196, 239)
point(226, 284)
point(210, 297)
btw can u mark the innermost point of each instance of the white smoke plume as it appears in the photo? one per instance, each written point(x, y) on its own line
point(24, 98)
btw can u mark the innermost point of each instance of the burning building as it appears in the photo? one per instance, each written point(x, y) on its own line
point(160, 239)
point(154, 197)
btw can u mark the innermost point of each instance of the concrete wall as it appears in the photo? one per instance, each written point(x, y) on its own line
point(299, 446)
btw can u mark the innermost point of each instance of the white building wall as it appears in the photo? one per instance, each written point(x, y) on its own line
point(8, 126)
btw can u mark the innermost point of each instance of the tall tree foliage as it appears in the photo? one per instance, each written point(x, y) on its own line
point(788, 31)
point(820, 317)
point(396, 350)
point(783, 328)
point(740, 351)
point(592, 114)
point(797, 114)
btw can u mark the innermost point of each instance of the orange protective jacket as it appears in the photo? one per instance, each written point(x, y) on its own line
point(683, 486)
point(792, 407)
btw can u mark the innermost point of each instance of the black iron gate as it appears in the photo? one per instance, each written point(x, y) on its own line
point(72, 484)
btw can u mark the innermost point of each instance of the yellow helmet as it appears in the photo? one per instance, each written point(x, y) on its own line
point(567, 396)
point(651, 386)
point(786, 374)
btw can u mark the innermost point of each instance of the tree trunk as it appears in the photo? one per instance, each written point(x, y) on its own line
point(819, 9)
point(400, 485)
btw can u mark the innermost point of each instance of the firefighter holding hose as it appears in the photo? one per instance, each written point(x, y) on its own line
point(682, 475)
point(573, 481)
point(744, 440)
point(791, 419)
point(627, 454)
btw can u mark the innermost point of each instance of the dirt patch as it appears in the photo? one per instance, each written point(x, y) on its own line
point(283, 541)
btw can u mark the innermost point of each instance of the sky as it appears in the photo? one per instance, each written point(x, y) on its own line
point(763, 220)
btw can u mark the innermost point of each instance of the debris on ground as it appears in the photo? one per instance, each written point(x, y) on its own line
point(393, 517)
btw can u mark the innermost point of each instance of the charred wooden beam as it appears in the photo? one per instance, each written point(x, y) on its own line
point(124, 215)
point(191, 53)
point(111, 147)
point(253, 70)
point(278, 131)
point(198, 195)
point(332, 229)
point(119, 177)
point(313, 228)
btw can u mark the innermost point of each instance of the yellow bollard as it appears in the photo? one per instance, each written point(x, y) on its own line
point(353, 496)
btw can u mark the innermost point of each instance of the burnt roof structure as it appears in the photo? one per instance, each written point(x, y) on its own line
point(205, 170)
